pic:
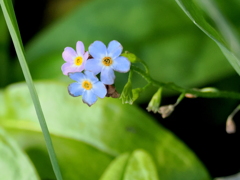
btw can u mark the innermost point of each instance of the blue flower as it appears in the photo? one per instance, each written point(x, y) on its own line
point(88, 86)
point(107, 60)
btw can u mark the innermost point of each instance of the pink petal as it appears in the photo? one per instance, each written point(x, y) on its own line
point(69, 54)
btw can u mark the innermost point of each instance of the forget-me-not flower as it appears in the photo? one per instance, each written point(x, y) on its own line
point(75, 60)
point(88, 86)
point(106, 60)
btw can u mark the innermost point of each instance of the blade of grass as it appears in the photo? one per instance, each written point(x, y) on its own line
point(4, 42)
point(11, 21)
point(224, 35)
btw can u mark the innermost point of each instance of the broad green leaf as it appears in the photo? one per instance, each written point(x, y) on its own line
point(140, 167)
point(116, 168)
point(173, 48)
point(107, 126)
point(224, 36)
point(14, 163)
point(77, 159)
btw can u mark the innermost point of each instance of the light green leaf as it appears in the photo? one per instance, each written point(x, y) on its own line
point(140, 167)
point(224, 36)
point(107, 126)
point(77, 159)
point(116, 169)
point(14, 163)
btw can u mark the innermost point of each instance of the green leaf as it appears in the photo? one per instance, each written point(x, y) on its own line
point(77, 159)
point(224, 36)
point(14, 163)
point(140, 167)
point(107, 126)
point(116, 169)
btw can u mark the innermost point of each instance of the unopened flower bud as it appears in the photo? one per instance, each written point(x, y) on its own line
point(209, 89)
point(127, 95)
point(136, 93)
point(230, 126)
point(165, 111)
point(155, 101)
point(131, 57)
point(188, 95)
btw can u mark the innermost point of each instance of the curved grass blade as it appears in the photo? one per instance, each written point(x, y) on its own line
point(11, 21)
point(226, 39)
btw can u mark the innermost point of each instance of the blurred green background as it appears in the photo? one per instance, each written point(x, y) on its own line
point(175, 50)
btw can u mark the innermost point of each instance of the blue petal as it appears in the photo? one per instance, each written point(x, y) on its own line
point(75, 89)
point(107, 76)
point(98, 50)
point(77, 76)
point(121, 64)
point(114, 49)
point(89, 97)
point(100, 89)
point(91, 76)
point(93, 65)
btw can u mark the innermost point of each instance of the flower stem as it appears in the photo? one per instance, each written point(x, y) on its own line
point(11, 21)
point(195, 92)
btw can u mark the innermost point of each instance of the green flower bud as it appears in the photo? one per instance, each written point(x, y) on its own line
point(131, 57)
point(155, 101)
point(136, 93)
point(127, 95)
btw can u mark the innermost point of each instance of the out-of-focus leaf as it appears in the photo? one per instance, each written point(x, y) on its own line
point(140, 167)
point(108, 126)
point(14, 163)
point(116, 169)
point(77, 159)
point(156, 31)
point(226, 39)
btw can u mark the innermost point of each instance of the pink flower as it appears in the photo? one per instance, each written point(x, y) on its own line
point(75, 60)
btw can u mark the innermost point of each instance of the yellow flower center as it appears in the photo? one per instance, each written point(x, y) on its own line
point(107, 61)
point(87, 85)
point(78, 61)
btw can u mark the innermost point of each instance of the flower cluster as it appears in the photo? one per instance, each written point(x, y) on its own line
point(99, 60)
